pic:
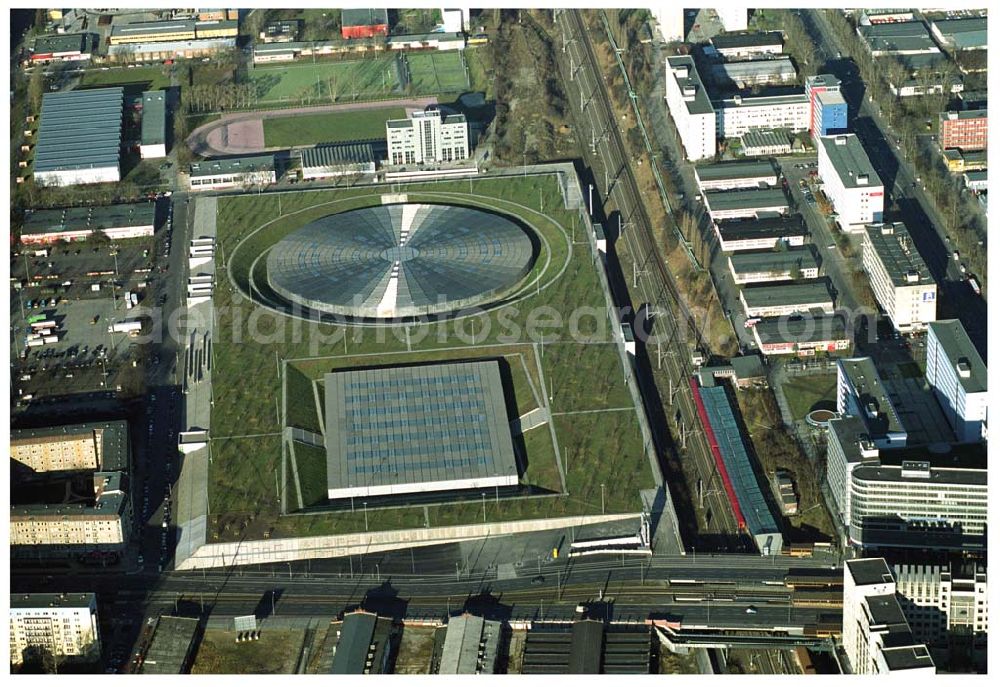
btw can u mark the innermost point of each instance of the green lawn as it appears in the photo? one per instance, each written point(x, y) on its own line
point(311, 463)
point(437, 72)
point(144, 78)
point(319, 82)
point(480, 67)
point(585, 373)
point(334, 127)
point(804, 392)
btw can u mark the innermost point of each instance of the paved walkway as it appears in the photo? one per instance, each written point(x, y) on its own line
point(242, 133)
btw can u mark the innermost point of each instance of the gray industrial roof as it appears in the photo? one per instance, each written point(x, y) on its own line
point(154, 118)
point(831, 98)
point(747, 40)
point(822, 80)
point(152, 27)
point(173, 47)
point(776, 294)
point(894, 473)
point(867, 571)
point(62, 43)
point(114, 449)
point(907, 657)
point(957, 345)
point(170, 648)
point(80, 218)
point(739, 199)
point(780, 67)
point(760, 101)
point(805, 329)
point(962, 34)
point(79, 130)
point(748, 169)
point(467, 638)
point(400, 260)
point(870, 390)
point(756, 138)
point(774, 261)
point(364, 17)
point(850, 160)
point(232, 165)
point(732, 446)
point(763, 227)
point(334, 155)
point(898, 254)
point(417, 424)
point(356, 636)
point(63, 600)
point(700, 104)
point(897, 36)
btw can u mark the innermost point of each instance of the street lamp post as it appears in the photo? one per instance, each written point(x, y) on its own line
point(483, 494)
point(365, 503)
point(602, 498)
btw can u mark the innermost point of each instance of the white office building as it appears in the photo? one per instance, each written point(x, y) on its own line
point(942, 599)
point(690, 108)
point(426, 138)
point(957, 374)
point(726, 176)
point(861, 393)
point(899, 277)
point(734, 18)
point(850, 182)
point(670, 20)
point(876, 636)
point(64, 625)
point(738, 115)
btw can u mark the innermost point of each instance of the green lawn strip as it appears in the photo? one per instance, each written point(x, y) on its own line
point(585, 377)
point(802, 393)
point(242, 476)
point(333, 127)
point(478, 60)
point(300, 401)
point(311, 463)
point(542, 470)
point(143, 78)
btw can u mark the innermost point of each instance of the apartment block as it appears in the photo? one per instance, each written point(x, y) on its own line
point(64, 625)
point(899, 277)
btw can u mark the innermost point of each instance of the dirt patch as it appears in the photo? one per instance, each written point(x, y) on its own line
point(239, 136)
point(415, 650)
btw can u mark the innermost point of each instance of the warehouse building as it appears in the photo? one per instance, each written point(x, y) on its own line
point(786, 298)
point(153, 143)
point(850, 182)
point(777, 71)
point(769, 266)
point(158, 51)
point(172, 647)
point(690, 108)
point(117, 222)
point(330, 161)
point(899, 277)
point(957, 373)
point(760, 143)
point(745, 203)
point(862, 393)
point(427, 41)
point(726, 176)
point(63, 625)
point(587, 647)
point(876, 637)
point(897, 38)
point(171, 31)
point(965, 130)
point(471, 646)
point(804, 336)
point(427, 137)
point(417, 429)
point(365, 644)
point(233, 172)
point(732, 453)
point(827, 107)
point(364, 23)
point(79, 137)
point(737, 115)
point(765, 233)
point(64, 47)
point(737, 46)
point(960, 34)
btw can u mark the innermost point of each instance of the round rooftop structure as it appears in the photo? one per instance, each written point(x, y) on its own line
point(401, 260)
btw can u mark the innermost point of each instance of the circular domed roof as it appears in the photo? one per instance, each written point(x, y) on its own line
point(400, 260)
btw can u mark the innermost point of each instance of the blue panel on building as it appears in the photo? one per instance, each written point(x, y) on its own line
point(833, 118)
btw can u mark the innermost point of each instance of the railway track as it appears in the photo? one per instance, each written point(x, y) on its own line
point(675, 324)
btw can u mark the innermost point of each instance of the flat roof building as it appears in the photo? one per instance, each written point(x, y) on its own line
point(957, 161)
point(966, 129)
point(944, 601)
point(64, 625)
point(960, 34)
point(768, 266)
point(427, 41)
point(154, 125)
point(471, 646)
point(737, 115)
point(329, 161)
point(586, 647)
point(79, 137)
point(170, 649)
point(427, 137)
point(757, 143)
point(66, 47)
point(417, 429)
point(145, 32)
point(743, 45)
point(690, 108)
point(786, 298)
point(899, 277)
point(232, 172)
point(117, 222)
point(957, 373)
point(365, 644)
point(806, 335)
point(158, 51)
point(897, 38)
point(754, 72)
point(364, 23)
point(976, 181)
point(763, 233)
point(850, 182)
point(745, 203)
point(861, 393)
point(282, 31)
point(733, 175)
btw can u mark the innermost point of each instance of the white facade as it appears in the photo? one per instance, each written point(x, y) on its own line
point(426, 138)
point(850, 182)
point(899, 278)
point(70, 177)
point(958, 376)
point(937, 600)
point(490, 482)
point(690, 108)
point(147, 152)
point(65, 625)
point(670, 19)
point(738, 115)
point(733, 18)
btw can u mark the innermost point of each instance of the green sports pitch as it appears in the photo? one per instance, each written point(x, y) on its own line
point(437, 72)
point(328, 81)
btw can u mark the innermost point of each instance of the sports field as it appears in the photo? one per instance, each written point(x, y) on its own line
point(143, 78)
point(572, 370)
point(327, 81)
point(437, 72)
point(335, 127)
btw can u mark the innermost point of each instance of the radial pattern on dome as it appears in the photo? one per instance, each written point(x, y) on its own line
point(401, 260)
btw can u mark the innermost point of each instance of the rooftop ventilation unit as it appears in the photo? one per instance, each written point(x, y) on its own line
point(912, 277)
point(689, 92)
point(916, 468)
point(872, 410)
point(963, 368)
point(841, 140)
point(862, 179)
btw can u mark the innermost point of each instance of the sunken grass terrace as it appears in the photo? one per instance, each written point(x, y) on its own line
point(268, 367)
